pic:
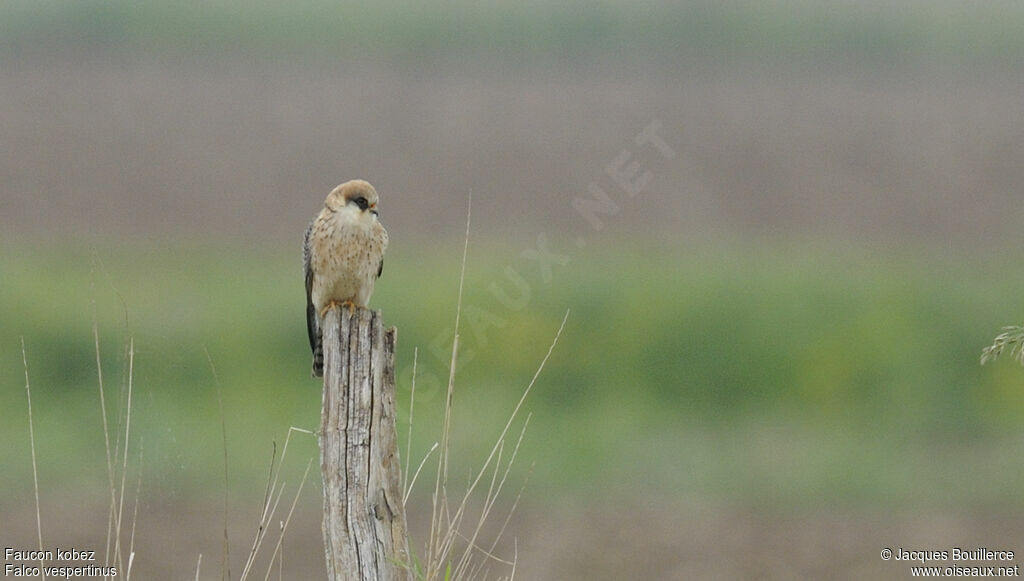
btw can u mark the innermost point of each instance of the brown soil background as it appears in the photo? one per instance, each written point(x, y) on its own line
point(244, 149)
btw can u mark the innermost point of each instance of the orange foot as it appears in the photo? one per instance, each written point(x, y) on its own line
point(333, 303)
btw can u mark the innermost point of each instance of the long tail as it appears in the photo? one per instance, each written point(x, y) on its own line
point(318, 357)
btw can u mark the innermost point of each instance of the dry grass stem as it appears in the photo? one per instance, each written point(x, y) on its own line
point(226, 553)
point(446, 526)
point(113, 552)
point(439, 501)
point(447, 520)
point(492, 496)
point(284, 526)
point(135, 514)
point(271, 500)
point(106, 433)
point(405, 497)
point(408, 439)
point(32, 447)
point(124, 461)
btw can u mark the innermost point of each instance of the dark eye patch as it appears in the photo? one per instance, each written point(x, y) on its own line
point(361, 202)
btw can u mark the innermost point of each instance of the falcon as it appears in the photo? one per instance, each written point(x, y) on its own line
point(343, 255)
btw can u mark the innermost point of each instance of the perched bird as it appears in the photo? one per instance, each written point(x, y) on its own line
point(343, 254)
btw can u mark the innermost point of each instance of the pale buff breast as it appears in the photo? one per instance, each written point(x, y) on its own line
point(345, 257)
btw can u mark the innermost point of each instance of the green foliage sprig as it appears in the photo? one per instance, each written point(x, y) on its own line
point(1011, 338)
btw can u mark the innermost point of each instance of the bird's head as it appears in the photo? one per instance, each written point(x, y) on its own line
point(355, 199)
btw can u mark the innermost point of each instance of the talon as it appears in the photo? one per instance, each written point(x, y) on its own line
point(327, 307)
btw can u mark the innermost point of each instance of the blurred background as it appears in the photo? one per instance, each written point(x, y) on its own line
point(784, 231)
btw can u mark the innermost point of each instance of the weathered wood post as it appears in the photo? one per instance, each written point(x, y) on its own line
point(364, 521)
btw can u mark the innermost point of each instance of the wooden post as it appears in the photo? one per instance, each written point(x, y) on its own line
point(364, 520)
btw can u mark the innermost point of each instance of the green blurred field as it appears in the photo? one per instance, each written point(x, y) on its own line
point(759, 376)
point(788, 28)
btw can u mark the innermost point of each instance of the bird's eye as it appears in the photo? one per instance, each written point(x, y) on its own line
point(361, 202)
